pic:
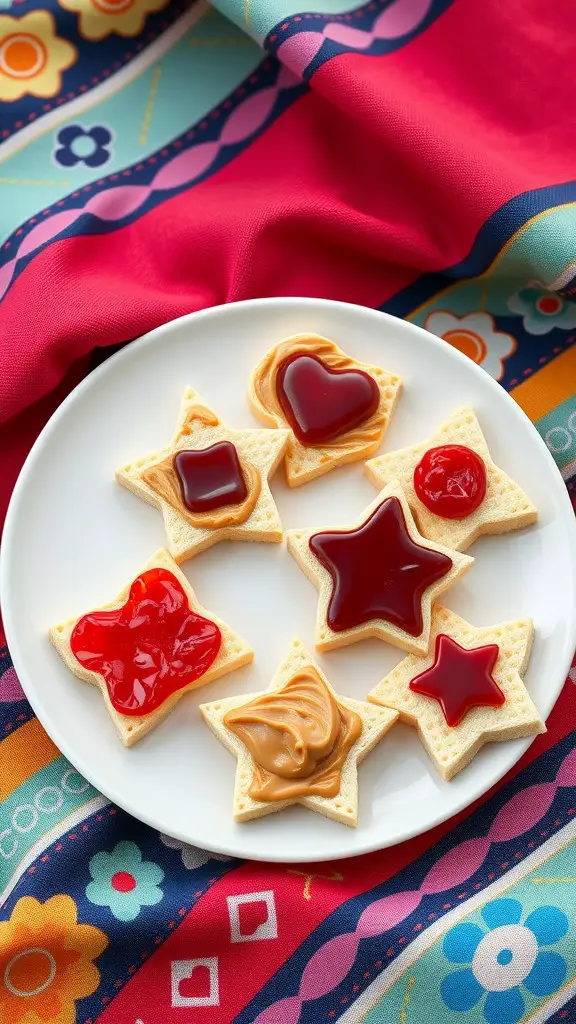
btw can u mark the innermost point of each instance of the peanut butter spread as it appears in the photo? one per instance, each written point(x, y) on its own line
point(163, 479)
point(299, 737)
point(264, 387)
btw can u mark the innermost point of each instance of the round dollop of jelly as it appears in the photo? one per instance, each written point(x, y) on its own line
point(451, 481)
point(149, 648)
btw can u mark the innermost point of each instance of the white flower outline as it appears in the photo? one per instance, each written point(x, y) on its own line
point(493, 347)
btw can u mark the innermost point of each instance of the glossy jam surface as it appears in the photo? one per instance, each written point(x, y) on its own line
point(210, 478)
point(320, 403)
point(150, 647)
point(451, 481)
point(378, 571)
point(460, 679)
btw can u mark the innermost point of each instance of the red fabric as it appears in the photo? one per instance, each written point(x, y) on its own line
point(386, 169)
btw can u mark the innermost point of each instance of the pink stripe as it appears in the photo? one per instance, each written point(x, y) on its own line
point(115, 203)
point(187, 166)
point(522, 812)
point(567, 773)
point(285, 1011)
point(10, 689)
point(249, 116)
point(456, 866)
point(6, 273)
point(402, 17)
point(298, 51)
point(48, 229)
point(329, 965)
point(386, 913)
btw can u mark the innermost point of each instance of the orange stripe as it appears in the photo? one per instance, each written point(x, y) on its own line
point(22, 754)
point(549, 387)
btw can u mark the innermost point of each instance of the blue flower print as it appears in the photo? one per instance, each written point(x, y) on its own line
point(502, 959)
point(123, 882)
point(78, 145)
point(541, 310)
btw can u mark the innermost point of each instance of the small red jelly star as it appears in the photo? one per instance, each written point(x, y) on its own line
point(460, 679)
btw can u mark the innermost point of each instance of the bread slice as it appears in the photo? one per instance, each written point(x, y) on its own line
point(326, 638)
point(234, 652)
point(304, 462)
point(451, 748)
point(505, 506)
point(199, 427)
point(344, 806)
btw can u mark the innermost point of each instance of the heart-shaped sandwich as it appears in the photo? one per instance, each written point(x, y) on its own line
point(337, 409)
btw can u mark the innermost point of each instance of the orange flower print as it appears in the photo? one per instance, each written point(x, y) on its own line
point(32, 56)
point(46, 962)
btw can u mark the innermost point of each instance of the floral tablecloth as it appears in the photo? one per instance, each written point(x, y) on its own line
point(160, 156)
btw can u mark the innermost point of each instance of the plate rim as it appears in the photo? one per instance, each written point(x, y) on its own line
point(130, 350)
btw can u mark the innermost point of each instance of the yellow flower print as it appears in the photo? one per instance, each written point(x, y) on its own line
point(46, 962)
point(32, 56)
point(100, 18)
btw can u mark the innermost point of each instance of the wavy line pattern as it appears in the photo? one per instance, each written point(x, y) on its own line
point(330, 964)
point(115, 203)
point(399, 19)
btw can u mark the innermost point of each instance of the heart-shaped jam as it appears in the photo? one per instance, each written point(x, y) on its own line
point(451, 481)
point(150, 647)
point(320, 403)
point(210, 478)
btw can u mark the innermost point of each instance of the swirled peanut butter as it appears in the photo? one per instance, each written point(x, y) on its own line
point(299, 737)
point(166, 478)
point(197, 411)
point(267, 385)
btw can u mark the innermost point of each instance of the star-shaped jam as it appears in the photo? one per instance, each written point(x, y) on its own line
point(460, 679)
point(210, 478)
point(150, 647)
point(378, 571)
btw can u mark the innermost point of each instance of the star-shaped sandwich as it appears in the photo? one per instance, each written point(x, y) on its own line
point(378, 577)
point(148, 647)
point(467, 691)
point(297, 742)
point(336, 408)
point(455, 490)
point(210, 482)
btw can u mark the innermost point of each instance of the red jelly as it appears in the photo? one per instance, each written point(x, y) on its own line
point(460, 679)
point(378, 571)
point(150, 647)
point(451, 481)
point(210, 478)
point(321, 403)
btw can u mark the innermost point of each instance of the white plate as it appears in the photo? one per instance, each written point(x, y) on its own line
point(74, 538)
